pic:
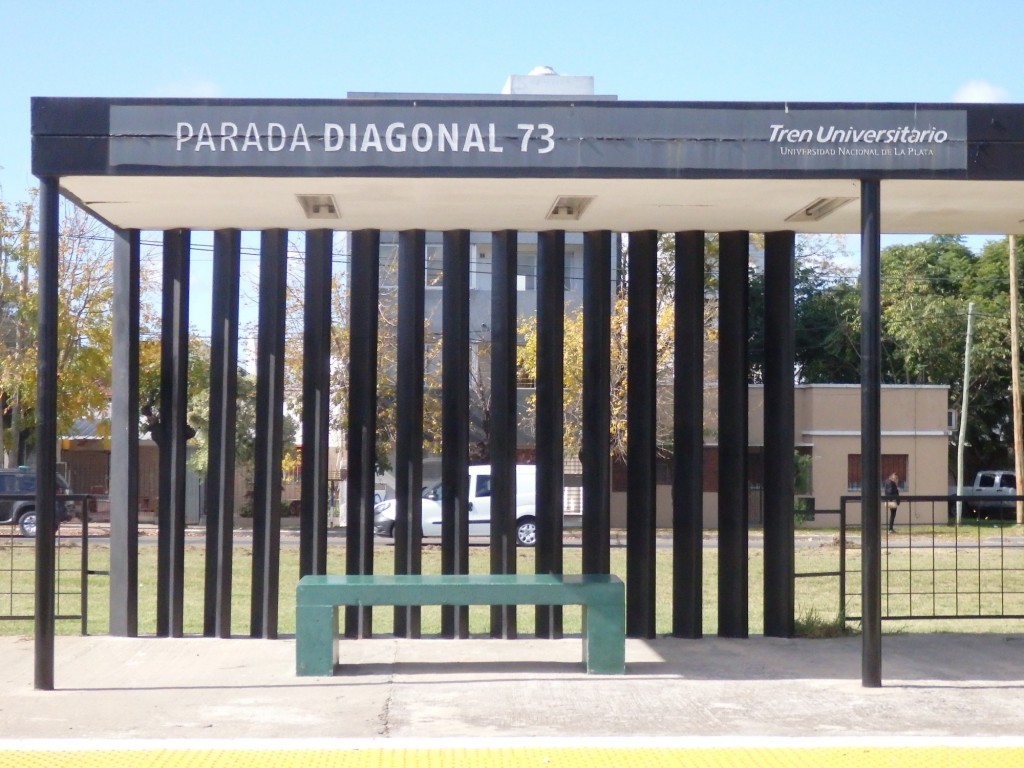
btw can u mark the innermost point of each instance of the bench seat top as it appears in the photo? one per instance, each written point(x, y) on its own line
point(458, 589)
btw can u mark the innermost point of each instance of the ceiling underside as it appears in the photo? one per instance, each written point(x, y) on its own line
point(489, 204)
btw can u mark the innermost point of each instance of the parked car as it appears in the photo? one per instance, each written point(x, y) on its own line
point(994, 490)
point(479, 506)
point(22, 512)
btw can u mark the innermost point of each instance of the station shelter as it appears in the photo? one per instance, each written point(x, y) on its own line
point(598, 168)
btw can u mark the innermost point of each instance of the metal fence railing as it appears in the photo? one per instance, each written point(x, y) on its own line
point(71, 565)
point(933, 568)
point(840, 572)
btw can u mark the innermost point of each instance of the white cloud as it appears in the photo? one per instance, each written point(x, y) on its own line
point(980, 92)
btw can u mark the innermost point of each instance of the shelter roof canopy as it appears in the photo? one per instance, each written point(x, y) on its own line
point(501, 163)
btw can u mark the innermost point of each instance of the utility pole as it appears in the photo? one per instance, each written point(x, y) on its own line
point(1018, 439)
point(963, 414)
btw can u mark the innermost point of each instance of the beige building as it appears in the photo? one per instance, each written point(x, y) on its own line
point(915, 445)
point(915, 440)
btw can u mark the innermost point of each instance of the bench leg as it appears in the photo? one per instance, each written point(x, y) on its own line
point(604, 636)
point(316, 647)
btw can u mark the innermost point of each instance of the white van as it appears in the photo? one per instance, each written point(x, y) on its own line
point(479, 506)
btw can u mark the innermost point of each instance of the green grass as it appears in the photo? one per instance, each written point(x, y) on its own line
point(818, 611)
point(947, 580)
point(813, 625)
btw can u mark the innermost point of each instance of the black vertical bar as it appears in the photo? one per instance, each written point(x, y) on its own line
point(841, 608)
point(455, 422)
point(46, 431)
point(124, 438)
point(84, 569)
point(409, 420)
point(266, 498)
point(733, 501)
point(641, 405)
point(316, 395)
point(503, 410)
point(596, 455)
point(220, 466)
point(362, 417)
point(688, 417)
point(173, 435)
point(550, 397)
point(779, 445)
point(871, 430)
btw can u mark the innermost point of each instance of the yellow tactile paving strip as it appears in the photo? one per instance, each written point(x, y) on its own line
point(526, 757)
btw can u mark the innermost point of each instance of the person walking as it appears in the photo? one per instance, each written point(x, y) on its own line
point(892, 498)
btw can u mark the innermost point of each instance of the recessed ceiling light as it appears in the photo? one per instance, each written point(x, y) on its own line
point(319, 206)
point(568, 208)
point(820, 208)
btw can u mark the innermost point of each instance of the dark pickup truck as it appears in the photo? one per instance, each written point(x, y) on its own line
point(16, 505)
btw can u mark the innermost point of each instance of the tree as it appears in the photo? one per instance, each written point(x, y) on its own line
point(245, 427)
point(926, 288)
point(85, 291)
point(665, 350)
point(387, 303)
point(826, 314)
point(198, 401)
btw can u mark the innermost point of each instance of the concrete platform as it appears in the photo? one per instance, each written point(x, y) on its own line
point(945, 686)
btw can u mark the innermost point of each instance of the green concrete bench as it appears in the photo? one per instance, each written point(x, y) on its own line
point(318, 599)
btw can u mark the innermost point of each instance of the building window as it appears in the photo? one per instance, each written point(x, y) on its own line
point(891, 462)
point(573, 270)
point(526, 272)
point(480, 267)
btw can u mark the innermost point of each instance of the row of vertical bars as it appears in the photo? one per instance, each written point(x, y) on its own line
point(641, 276)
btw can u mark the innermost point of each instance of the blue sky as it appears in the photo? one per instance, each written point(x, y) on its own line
point(866, 50)
point(673, 50)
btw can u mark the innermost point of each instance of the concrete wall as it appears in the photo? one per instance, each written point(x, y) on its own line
point(827, 424)
point(913, 424)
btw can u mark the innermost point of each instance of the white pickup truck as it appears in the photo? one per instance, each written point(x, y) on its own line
point(479, 506)
point(993, 489)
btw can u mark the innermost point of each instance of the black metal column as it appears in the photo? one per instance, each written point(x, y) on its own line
point(550, 398)
point(46, 430)
point(220, 466)
point(173, 435)
point(266, 500)
point(455, 422)
point(779, 444)
point(124, 438)
point(596, 456)
point(503, 410)
point(409, 420)
point(733, 501)
point(688, 419)
point(871, 430)
point(641, 411)
point(316, 396)
point(362, 417)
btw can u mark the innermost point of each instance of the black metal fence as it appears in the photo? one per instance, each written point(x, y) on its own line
point(841, 563)
point(934, 568)
point(18, 563)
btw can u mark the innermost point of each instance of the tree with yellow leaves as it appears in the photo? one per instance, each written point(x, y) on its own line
point(573, 354)
point(85, 291)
